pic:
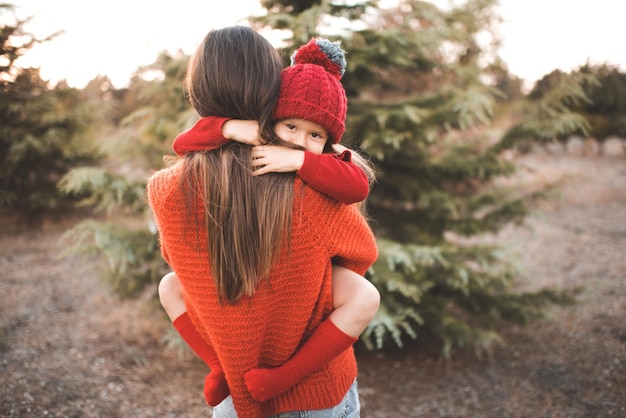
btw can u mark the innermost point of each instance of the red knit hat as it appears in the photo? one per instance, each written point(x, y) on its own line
point(310, 87)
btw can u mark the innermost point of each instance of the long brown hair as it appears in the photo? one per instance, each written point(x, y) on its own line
point(235, 72)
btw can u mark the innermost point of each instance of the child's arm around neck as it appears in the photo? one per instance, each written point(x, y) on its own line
point(335, 175)
point(332, 174)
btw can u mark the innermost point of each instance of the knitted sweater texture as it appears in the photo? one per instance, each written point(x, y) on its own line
point(268, 327)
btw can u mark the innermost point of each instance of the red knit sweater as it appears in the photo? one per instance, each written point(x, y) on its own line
point(334, 175)
point(267, 328)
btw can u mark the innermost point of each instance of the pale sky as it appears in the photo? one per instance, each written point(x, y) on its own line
point(115, 37)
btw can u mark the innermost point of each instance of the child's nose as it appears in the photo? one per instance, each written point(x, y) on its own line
point(300, 139)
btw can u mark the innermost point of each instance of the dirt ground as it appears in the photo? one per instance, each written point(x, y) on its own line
point(69, 348)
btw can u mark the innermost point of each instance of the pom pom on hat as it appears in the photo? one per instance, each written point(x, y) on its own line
point(311, 88)
point(324, 53)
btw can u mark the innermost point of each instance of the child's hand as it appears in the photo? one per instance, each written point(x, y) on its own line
point(276, 159)
point(245, 131)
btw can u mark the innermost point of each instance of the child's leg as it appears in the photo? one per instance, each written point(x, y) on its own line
point(356, 301)
point(171, 297)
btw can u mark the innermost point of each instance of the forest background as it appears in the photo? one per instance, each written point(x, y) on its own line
point(436, 111)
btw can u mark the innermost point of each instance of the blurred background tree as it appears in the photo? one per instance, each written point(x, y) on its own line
point(604, 109)
point(44, 131)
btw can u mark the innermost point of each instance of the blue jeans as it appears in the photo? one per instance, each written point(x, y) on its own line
point(349, 407)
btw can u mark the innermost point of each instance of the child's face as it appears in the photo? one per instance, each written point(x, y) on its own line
point(303, 132)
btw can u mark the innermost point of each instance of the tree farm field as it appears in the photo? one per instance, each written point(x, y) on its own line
point(71, 348)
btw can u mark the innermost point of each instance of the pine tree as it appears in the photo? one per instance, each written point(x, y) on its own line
point(606, 107)
point(422, 94)
point(44, 131)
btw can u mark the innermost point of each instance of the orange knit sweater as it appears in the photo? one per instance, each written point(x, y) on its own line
point(267, 328)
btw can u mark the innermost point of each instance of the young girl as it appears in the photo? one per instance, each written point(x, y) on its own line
point(310, 114)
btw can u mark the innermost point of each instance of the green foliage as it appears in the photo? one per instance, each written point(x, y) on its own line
point(131, 255)
point(551, 114)
point(606, 108)
point(454, 294)
point(132, 259)
point(105, 191)
point(159, 113)
point(44, 132)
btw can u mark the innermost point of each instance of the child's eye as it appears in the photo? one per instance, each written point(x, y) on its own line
point(290, 126)
point(317, 136)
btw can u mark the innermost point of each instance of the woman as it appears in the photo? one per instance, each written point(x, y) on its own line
point(253, 253)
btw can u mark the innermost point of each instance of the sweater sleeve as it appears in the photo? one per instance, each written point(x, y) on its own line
point(346, 233)
point(354, 245)
point(335, 176)
point(205, 134)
